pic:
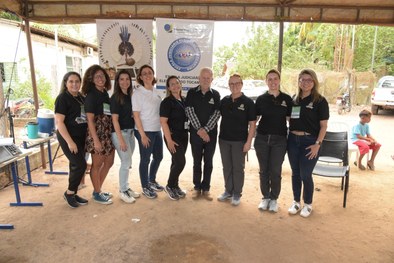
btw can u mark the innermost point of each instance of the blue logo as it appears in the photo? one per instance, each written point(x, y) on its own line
point(184, 54)
point(168, 28)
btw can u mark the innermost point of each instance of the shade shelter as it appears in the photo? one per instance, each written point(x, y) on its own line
point(378, 12)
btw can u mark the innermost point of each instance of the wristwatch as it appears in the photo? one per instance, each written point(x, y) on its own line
point(318, 142)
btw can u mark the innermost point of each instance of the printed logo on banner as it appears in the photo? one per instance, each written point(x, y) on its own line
point(125, 45)
point(184, 54)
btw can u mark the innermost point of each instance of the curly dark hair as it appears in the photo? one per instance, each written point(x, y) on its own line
point(88, 84)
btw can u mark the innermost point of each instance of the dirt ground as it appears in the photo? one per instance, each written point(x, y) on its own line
point(200, 231)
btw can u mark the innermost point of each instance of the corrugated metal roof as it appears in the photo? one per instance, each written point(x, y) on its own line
point(380, 12)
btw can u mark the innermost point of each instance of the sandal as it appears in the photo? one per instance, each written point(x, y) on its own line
point(371, 166)
point(361, 167)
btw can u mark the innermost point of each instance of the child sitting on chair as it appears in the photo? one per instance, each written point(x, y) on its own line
point(362, 137)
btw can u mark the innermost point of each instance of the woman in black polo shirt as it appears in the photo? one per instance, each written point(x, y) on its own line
point(71, 133)
point(175, 128)
point(96, 83)
point(123, 135)
point(237, 130)
point(274, 109)
point(308, 125)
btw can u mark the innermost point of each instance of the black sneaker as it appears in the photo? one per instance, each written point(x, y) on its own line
point(70, 198)
point(181, 193)
point(148, 192)
point(172, 193)
point(156, 187)
point(80, 200)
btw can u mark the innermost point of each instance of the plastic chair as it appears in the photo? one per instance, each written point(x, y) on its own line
point(335, 147)
point(343, 126)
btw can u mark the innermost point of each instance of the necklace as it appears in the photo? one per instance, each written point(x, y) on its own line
point(77, 98)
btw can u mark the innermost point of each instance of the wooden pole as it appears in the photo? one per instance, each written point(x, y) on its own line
point(34, 82)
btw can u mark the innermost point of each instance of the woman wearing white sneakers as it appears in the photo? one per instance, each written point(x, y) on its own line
point(123, 136)
point(270, 144)
point(308, 125)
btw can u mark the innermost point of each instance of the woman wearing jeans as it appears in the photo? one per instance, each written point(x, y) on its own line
point(123, 137)
point(146, 105)
point(308, 125)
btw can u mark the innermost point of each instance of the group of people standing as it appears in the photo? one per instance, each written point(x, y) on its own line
point(90, 121)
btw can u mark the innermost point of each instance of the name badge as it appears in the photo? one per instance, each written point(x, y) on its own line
point(295, 112)
point(106, 109)
point(82, 119)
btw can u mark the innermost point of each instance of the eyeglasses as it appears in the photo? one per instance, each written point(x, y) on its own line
point(309, 81)
point(99, 76)
point(235, 84)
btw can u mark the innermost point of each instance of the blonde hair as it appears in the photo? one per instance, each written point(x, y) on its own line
point(316, 97)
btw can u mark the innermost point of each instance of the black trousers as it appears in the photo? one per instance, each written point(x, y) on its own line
point(77, 162)
point(178, 159)
point(202, 151)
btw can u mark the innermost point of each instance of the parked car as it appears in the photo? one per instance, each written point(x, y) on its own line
point(254, 88)
point(383, 95)
point(251, 88)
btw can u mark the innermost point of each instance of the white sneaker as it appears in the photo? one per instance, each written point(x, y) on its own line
point(235, 201)
point(294, 208)
point(306, 210)
point(133, 193)
point(224, 197)
point(264, 204)
point(273, 206)
point(126, 197)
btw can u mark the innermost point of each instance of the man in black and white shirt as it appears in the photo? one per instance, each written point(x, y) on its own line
point(203, 111)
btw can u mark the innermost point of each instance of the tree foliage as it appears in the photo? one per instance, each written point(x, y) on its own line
point(309, 45)
point(25, 89)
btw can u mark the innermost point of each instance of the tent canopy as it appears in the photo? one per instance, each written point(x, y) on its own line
point(378, 12)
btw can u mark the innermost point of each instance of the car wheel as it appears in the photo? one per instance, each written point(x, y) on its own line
point(374, 109)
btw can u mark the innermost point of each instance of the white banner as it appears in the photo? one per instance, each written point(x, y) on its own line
point(183, 48)
point(124, 44)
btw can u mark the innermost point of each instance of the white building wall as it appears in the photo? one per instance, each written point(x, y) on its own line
point(49, 60)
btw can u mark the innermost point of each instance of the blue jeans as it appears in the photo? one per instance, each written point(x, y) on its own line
point(155, 149)
point(301, 166)
point(125, 157)
point(270, 152)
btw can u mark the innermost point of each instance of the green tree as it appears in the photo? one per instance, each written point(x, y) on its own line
point(25, 89)
point(384, 51)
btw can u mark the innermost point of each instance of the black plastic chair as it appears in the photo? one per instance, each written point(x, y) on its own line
point(334, 149)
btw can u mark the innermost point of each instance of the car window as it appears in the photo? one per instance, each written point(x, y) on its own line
point(388, 84)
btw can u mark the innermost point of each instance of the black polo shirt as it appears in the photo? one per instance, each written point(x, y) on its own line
point(273, 112)
point(204, 104)
point(70, 107)
point(94, 101)
point(174, 110)
point(125, 112)
point(236, 116)
point(310, 115)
